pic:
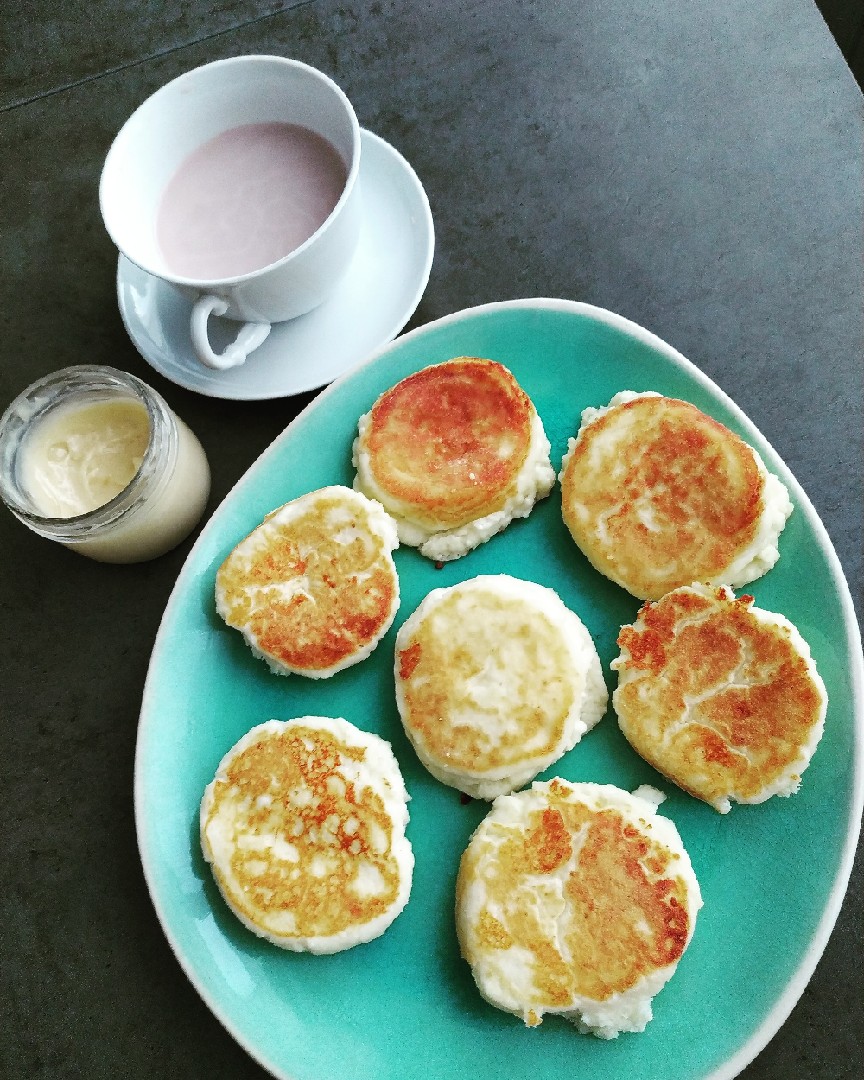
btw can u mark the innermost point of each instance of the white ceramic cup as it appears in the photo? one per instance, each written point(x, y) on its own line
point(173, 123)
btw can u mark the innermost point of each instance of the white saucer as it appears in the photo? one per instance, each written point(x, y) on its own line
point(370, 306)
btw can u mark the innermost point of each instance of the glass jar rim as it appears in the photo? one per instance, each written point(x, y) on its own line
point(81, 381)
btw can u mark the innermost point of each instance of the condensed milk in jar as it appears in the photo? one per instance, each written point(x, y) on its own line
point(95, 459)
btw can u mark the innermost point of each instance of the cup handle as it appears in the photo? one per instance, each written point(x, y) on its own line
point(251, 335)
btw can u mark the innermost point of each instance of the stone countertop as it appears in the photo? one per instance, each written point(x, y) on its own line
point(695, 168)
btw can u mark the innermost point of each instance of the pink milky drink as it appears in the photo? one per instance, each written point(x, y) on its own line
point(246, 199)
point(238, 184)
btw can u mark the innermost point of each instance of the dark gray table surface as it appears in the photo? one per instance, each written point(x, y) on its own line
point(696, 167)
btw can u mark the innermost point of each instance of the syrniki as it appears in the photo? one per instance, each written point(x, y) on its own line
point(313, 588)
point(719, 695)
point(304, 829)
point(454, 452)
point(496, 678)
point(656, 495)
point(576, 899)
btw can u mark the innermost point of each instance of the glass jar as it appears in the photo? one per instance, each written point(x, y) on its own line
point(153, 512)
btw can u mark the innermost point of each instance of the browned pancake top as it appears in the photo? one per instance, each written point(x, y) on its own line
point(487, 682)
point(657, 495)
point(721, 702)
point(448, 442)
point(625, 911)
point(295, 788)
point(313, 590)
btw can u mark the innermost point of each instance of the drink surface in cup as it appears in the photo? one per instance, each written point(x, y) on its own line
point(247, 198)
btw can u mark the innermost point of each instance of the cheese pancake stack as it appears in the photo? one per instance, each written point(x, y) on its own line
point(576, 899)
point(495, 679)
point(656, 494)
point(314, 588)
point(454, 452)
point(720, 696)
point(304, 828)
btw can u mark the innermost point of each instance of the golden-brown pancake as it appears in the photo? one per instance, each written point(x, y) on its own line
point(314, 588)
point(656, 494)
point(304, 828)
point(454, 452)
point(718, 695)
point(577, 899)
point(495, 679)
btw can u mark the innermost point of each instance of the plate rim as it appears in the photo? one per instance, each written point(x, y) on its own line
point(786, 1001)
point(424, 227)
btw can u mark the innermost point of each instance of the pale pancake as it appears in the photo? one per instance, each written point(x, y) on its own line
point(577, 899)
point(720, 696)
point(656, 494)
point(454, 452)
point(314, 588)
point(304, 828)
point(495, 679)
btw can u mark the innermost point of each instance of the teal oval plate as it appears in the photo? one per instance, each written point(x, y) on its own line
point(404, 1006)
